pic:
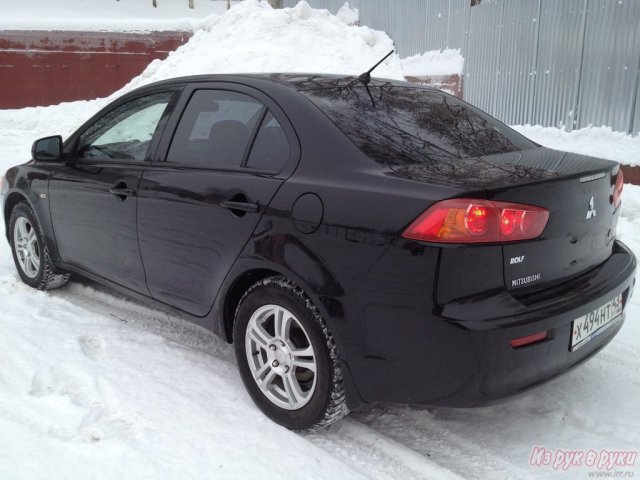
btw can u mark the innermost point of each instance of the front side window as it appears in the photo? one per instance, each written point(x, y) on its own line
point(125, 132)
point(215, 129)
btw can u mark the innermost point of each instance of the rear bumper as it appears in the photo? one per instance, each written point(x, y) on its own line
point(461, 355)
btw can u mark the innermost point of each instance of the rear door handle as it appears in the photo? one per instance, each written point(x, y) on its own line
point(242, 206)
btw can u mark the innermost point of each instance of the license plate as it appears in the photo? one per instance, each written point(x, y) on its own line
point(594, 323)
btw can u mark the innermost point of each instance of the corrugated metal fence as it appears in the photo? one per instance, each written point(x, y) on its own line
point(551, 62)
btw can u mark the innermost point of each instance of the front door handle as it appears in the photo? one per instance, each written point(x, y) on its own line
point(241, 206)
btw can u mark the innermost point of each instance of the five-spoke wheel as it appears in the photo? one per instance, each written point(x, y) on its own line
point(281, 357)
point(27, 248)
point(30, 252)
point(287, 358)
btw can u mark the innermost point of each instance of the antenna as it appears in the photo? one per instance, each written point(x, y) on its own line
point(365, 78)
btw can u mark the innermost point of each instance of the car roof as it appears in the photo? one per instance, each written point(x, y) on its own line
point(297, 81)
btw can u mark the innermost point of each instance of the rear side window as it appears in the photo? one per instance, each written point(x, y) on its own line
point(215, 129)
point(400, 125)
point(271, 148)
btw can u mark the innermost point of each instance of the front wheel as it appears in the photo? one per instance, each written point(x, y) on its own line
point(30, 252)
point(287, 358)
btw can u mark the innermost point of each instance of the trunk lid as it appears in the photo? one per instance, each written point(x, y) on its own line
point(581, 229)
point(580, 232)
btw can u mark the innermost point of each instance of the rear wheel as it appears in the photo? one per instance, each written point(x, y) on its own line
point(287, 358)
point(30, 252)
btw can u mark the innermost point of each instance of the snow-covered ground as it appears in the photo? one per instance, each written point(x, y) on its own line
point(93, 385)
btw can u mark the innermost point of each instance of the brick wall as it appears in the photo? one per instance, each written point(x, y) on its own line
point(46, 68)
point(449, 83)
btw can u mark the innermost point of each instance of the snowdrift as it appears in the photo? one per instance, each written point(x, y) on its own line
point(252, 37)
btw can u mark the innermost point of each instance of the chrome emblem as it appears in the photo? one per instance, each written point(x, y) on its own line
point(592, 209)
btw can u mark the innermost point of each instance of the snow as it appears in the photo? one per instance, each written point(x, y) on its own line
point(434, 62)
point(94, 385)
point(299, 39)
point(600, 142)
point(348, 15)
point(106, 15)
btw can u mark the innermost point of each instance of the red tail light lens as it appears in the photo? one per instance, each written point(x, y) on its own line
point(476, 219)
point(616, 197)
point(469, 220)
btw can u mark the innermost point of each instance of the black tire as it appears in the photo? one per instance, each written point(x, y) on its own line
point(326, 403)
point(46, 276)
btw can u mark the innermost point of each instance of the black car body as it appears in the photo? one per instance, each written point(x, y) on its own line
point(190, 218)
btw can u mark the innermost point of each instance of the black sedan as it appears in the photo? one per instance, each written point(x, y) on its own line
point(358, 240)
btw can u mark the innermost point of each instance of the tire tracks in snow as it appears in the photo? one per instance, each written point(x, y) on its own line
point(376, 455)
point(418, 430)
point(372, 453)
point(380, 442)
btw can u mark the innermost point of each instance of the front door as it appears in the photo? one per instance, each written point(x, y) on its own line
point(93, 197)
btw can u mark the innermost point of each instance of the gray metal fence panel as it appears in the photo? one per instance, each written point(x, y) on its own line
point(417, 25)
point(436, 26)
point(458, 26)
point(515, 76)
point(611, 53)
point(558, 62)
point(635, 123)
point(482, 55)
point(564, 63)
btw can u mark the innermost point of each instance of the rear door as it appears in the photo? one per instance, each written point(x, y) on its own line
point(211, 183)
point(93, 196)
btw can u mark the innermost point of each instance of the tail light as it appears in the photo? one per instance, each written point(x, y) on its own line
point(469, 220)
point(616, 196)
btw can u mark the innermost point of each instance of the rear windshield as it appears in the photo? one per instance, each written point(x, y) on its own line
point(401, 125)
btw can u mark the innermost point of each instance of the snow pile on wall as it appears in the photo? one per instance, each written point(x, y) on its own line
point(594, 141)
point(106, 15)
point(252, 37)
point(434, 62)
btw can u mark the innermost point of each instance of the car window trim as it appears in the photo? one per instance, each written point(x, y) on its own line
point(111, 162)
point(71, 146)
point(254, 135)
point(184, 166)
point(268, 103)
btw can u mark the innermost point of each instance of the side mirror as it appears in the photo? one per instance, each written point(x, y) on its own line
point(48, 149)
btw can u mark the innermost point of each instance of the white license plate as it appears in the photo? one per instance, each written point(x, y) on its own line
point(594, 323)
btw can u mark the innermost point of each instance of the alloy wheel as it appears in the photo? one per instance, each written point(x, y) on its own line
point(280, 357)
point(27, 248)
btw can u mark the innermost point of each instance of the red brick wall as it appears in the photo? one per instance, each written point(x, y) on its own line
point(448, 83)
point(46, 68)
point(631, 174)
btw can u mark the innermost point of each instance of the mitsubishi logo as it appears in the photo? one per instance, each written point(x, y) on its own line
point(592, 209)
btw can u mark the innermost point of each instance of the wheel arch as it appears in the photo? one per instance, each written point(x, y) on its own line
point(13, 199)
point(235, 292)
point(249, 275)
